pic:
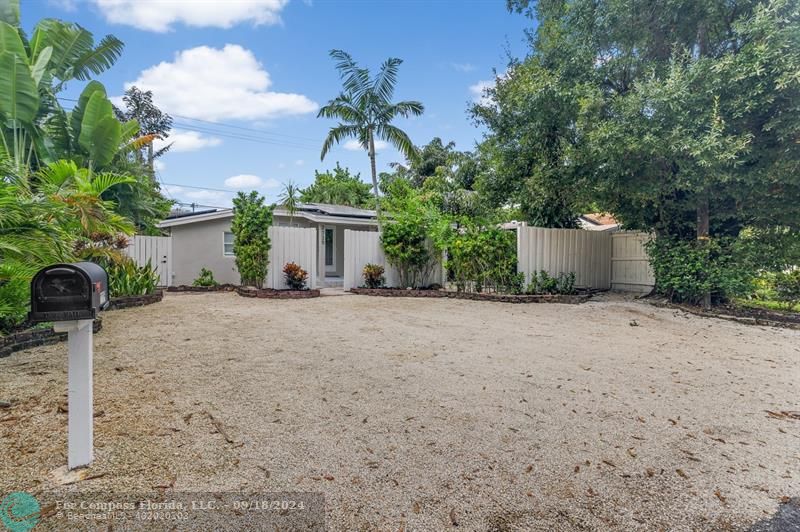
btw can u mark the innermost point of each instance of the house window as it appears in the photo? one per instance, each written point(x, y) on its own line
point(227, 243)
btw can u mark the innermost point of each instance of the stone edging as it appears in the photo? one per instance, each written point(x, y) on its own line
point(190, 288)
point(722, 315)
point(269, 293)
point(503, 298)
point(135, 301)
point(36, 337)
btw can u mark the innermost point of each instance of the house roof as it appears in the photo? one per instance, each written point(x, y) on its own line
point(315, 212)
point(598, 221)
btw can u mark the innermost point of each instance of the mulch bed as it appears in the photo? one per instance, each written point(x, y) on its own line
point(746, 315)
point(135, 301)
point(270, 293)
point(35, 337)
point(474, 296)
point(190, 288)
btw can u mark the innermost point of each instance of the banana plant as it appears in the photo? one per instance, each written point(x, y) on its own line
point(33, 72)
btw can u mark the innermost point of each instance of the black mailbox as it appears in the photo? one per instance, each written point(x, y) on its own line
point(66, 292)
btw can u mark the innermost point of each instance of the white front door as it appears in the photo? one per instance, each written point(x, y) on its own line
point(329, 243)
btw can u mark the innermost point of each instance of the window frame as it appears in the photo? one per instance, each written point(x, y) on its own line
point(224, 244)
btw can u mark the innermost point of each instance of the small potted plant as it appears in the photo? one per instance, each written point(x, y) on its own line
point(296, 277)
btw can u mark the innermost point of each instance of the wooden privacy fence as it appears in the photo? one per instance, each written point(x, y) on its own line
point(291, 244)
point(630, 267)
point(155, 249)
point(364, 247)
point(587, 253)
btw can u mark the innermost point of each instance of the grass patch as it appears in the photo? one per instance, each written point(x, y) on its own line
point(767, 304)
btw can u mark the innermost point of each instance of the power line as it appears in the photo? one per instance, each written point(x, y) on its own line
point(201, 188)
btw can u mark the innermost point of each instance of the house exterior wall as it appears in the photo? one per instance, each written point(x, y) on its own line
point(200, 245)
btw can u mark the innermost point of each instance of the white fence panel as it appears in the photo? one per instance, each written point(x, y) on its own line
point(630, 267)
point(364, 247)
point(292, 244)
point(587, 253)
point(155, 249)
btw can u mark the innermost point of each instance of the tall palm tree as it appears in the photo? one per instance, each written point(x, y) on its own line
point(290, 198)
point(365, 111)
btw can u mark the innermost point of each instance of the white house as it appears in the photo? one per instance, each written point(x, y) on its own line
point(204, 240)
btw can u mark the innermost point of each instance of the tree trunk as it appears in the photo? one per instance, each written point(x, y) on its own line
point(703, 227)
point(374, 177)
point(150, 158)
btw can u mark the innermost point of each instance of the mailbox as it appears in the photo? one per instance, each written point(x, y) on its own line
point(67, 292)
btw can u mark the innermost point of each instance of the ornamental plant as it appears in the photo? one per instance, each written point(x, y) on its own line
point(206, 278)
point(295, 276)
point(251, 244)
point(373, 275)
point(787, 288)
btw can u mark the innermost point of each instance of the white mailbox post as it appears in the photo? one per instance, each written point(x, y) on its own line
point(71, 295)
point(80, 426)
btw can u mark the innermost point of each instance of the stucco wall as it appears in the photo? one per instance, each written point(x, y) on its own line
point(199, 245)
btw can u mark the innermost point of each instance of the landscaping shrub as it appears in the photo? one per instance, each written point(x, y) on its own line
point(373, 275)
point(685, 270)
point(295, 276)
point(406, 241)
point(250, 227)
point(787, 288)
point(483, 258)
point(125, 278)
point(206, 278)
point(543, 283)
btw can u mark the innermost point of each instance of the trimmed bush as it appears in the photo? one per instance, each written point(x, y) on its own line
point(295, 276)
point(206, 278)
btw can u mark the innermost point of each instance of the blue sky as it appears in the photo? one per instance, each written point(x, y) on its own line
point(263, 65)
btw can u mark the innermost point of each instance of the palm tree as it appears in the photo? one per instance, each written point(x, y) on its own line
point(290, 198)
point(365, 111)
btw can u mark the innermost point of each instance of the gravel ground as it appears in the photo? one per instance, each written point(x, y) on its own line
point(420, 414)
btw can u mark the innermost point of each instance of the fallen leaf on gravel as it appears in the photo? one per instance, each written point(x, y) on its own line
point(632, 452)
point(416, 507)
point(577, 468)
point(453, 519)
point(721, 498)
point(640, 419)
point(62, 408)
point(783, 414)
point(681, 473)
point(328, 477)
point(529, 469)
point(649, 472)
point(672, 421)
point(9, 418)
point(609, 463)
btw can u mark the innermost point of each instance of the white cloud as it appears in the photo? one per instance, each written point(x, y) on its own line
point(463, 67)
point(249, 181)
point(159, 165)
point(354, 145)
point(160, 15)
point(299, 162)
point(218, 84)
point(66, 5)
point(183, 141)
point(478, 91)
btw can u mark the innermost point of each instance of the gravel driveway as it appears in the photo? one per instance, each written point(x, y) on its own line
point(423, 414)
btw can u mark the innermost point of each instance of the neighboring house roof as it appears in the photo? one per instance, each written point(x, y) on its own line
point(315, 212)
point(598, 221)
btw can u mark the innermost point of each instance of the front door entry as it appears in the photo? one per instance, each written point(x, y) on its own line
point(329, 239)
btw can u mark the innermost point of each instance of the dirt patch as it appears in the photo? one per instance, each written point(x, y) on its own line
point(429, 414)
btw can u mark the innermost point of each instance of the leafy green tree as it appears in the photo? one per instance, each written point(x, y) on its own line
point(152, 121)
point(251, 244)
point(366, 111)
point(338, 187)
point(680, 118)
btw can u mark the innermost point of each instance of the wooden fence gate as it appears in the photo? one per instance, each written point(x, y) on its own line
point(630, 267)
point(154, 249)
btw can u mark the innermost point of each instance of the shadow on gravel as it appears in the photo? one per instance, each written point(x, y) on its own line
point(786, 519)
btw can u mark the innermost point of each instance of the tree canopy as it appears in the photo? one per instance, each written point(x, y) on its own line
point(338, 187)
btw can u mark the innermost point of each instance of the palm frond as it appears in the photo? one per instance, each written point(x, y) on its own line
point(355, 79)
point(100, 59)
point(399, 139)
point(338, 134)
point(386, 79)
